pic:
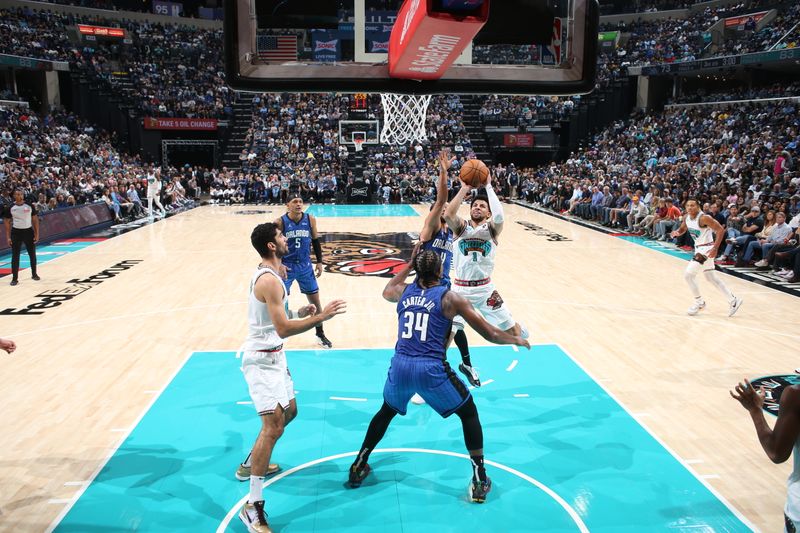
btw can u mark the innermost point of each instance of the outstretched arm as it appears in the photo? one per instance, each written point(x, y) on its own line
point(680, 231)
point(432, 220)
point(269, 290)
point(495, 207)
point(455, 222)
point(455, 304)
point(777, 442)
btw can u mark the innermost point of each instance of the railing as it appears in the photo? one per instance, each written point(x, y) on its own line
point(785, 35)
point(734, 102)
point(13, 103)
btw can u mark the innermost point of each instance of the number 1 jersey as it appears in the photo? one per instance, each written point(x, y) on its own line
point(473, 253)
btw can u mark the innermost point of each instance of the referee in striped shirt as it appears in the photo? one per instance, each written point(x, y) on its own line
point(22, 227)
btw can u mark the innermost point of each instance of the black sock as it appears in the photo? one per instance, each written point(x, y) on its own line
point(377, 429)
point(362, 457)
point(463, 347)
point(319, 331)
point(478, 471)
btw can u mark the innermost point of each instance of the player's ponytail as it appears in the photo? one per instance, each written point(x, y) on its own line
point(428, 266)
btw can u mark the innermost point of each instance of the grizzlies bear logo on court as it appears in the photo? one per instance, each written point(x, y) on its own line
point(773, 388)
point(359, 254)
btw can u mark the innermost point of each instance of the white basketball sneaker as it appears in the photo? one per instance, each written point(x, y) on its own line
point(696, 307)
point(417, 399)
point(736, 303)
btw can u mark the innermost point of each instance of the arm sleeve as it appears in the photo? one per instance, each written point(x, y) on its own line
point(495, 206)
point(317, 249)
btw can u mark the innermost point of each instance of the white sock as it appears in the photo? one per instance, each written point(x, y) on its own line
point(256, 489)
point(712, 277)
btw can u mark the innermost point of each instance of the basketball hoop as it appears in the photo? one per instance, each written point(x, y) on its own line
point(404, 118)
point(359, 144)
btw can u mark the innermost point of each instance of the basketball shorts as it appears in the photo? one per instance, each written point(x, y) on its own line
point(708, 264)
point(268, 380)
point(487, 301)
point(431, 378)
point(304, 274)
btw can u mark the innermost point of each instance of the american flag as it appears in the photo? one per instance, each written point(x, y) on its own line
point(272, 48)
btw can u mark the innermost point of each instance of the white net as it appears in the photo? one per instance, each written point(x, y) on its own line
point(404, 118)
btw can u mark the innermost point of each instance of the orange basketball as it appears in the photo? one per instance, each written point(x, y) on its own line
point(474, 173)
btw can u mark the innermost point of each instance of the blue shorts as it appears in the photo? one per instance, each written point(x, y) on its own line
point(304, 274)
point(433, 379)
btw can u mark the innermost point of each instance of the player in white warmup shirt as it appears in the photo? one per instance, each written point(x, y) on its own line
point(702, 228)
point(474, 250)
point(264, 361)
point(153, 190)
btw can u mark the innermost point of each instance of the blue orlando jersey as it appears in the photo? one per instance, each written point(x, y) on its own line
point(423, 329)
point(442, 244)
point(299, 237)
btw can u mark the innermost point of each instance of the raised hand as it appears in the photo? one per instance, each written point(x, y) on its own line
point(750, 398)
point(445, 160)
point(336, 307)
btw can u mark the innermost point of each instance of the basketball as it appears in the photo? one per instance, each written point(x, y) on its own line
point(474, 173)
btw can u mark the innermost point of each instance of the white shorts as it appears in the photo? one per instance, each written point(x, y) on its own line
point(487, 301)
point(709, 263)
point(268, 380)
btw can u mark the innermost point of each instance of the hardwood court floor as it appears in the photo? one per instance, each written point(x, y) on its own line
point(86, 370)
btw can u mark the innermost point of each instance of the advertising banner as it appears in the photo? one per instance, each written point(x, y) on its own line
point(518, 140)
point(326, 45)
point(193, 124)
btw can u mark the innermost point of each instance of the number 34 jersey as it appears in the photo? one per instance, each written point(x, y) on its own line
point(422, 327)
point(473, 253)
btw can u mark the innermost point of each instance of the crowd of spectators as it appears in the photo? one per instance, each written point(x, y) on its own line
point(94, 4)
point(610, 7)
point(173, 71)
point(775, 34)
point(36, 34)
point(293, 146)
point(168, 70)
point(777, 90)
point(525, 110)
point(60, 161)
point(637, 174)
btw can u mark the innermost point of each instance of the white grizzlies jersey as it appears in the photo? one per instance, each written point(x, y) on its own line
point(473, 253)
point(261, 331)
point(703, 237)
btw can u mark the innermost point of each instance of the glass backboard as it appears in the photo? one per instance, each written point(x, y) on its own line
point(521, 46)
